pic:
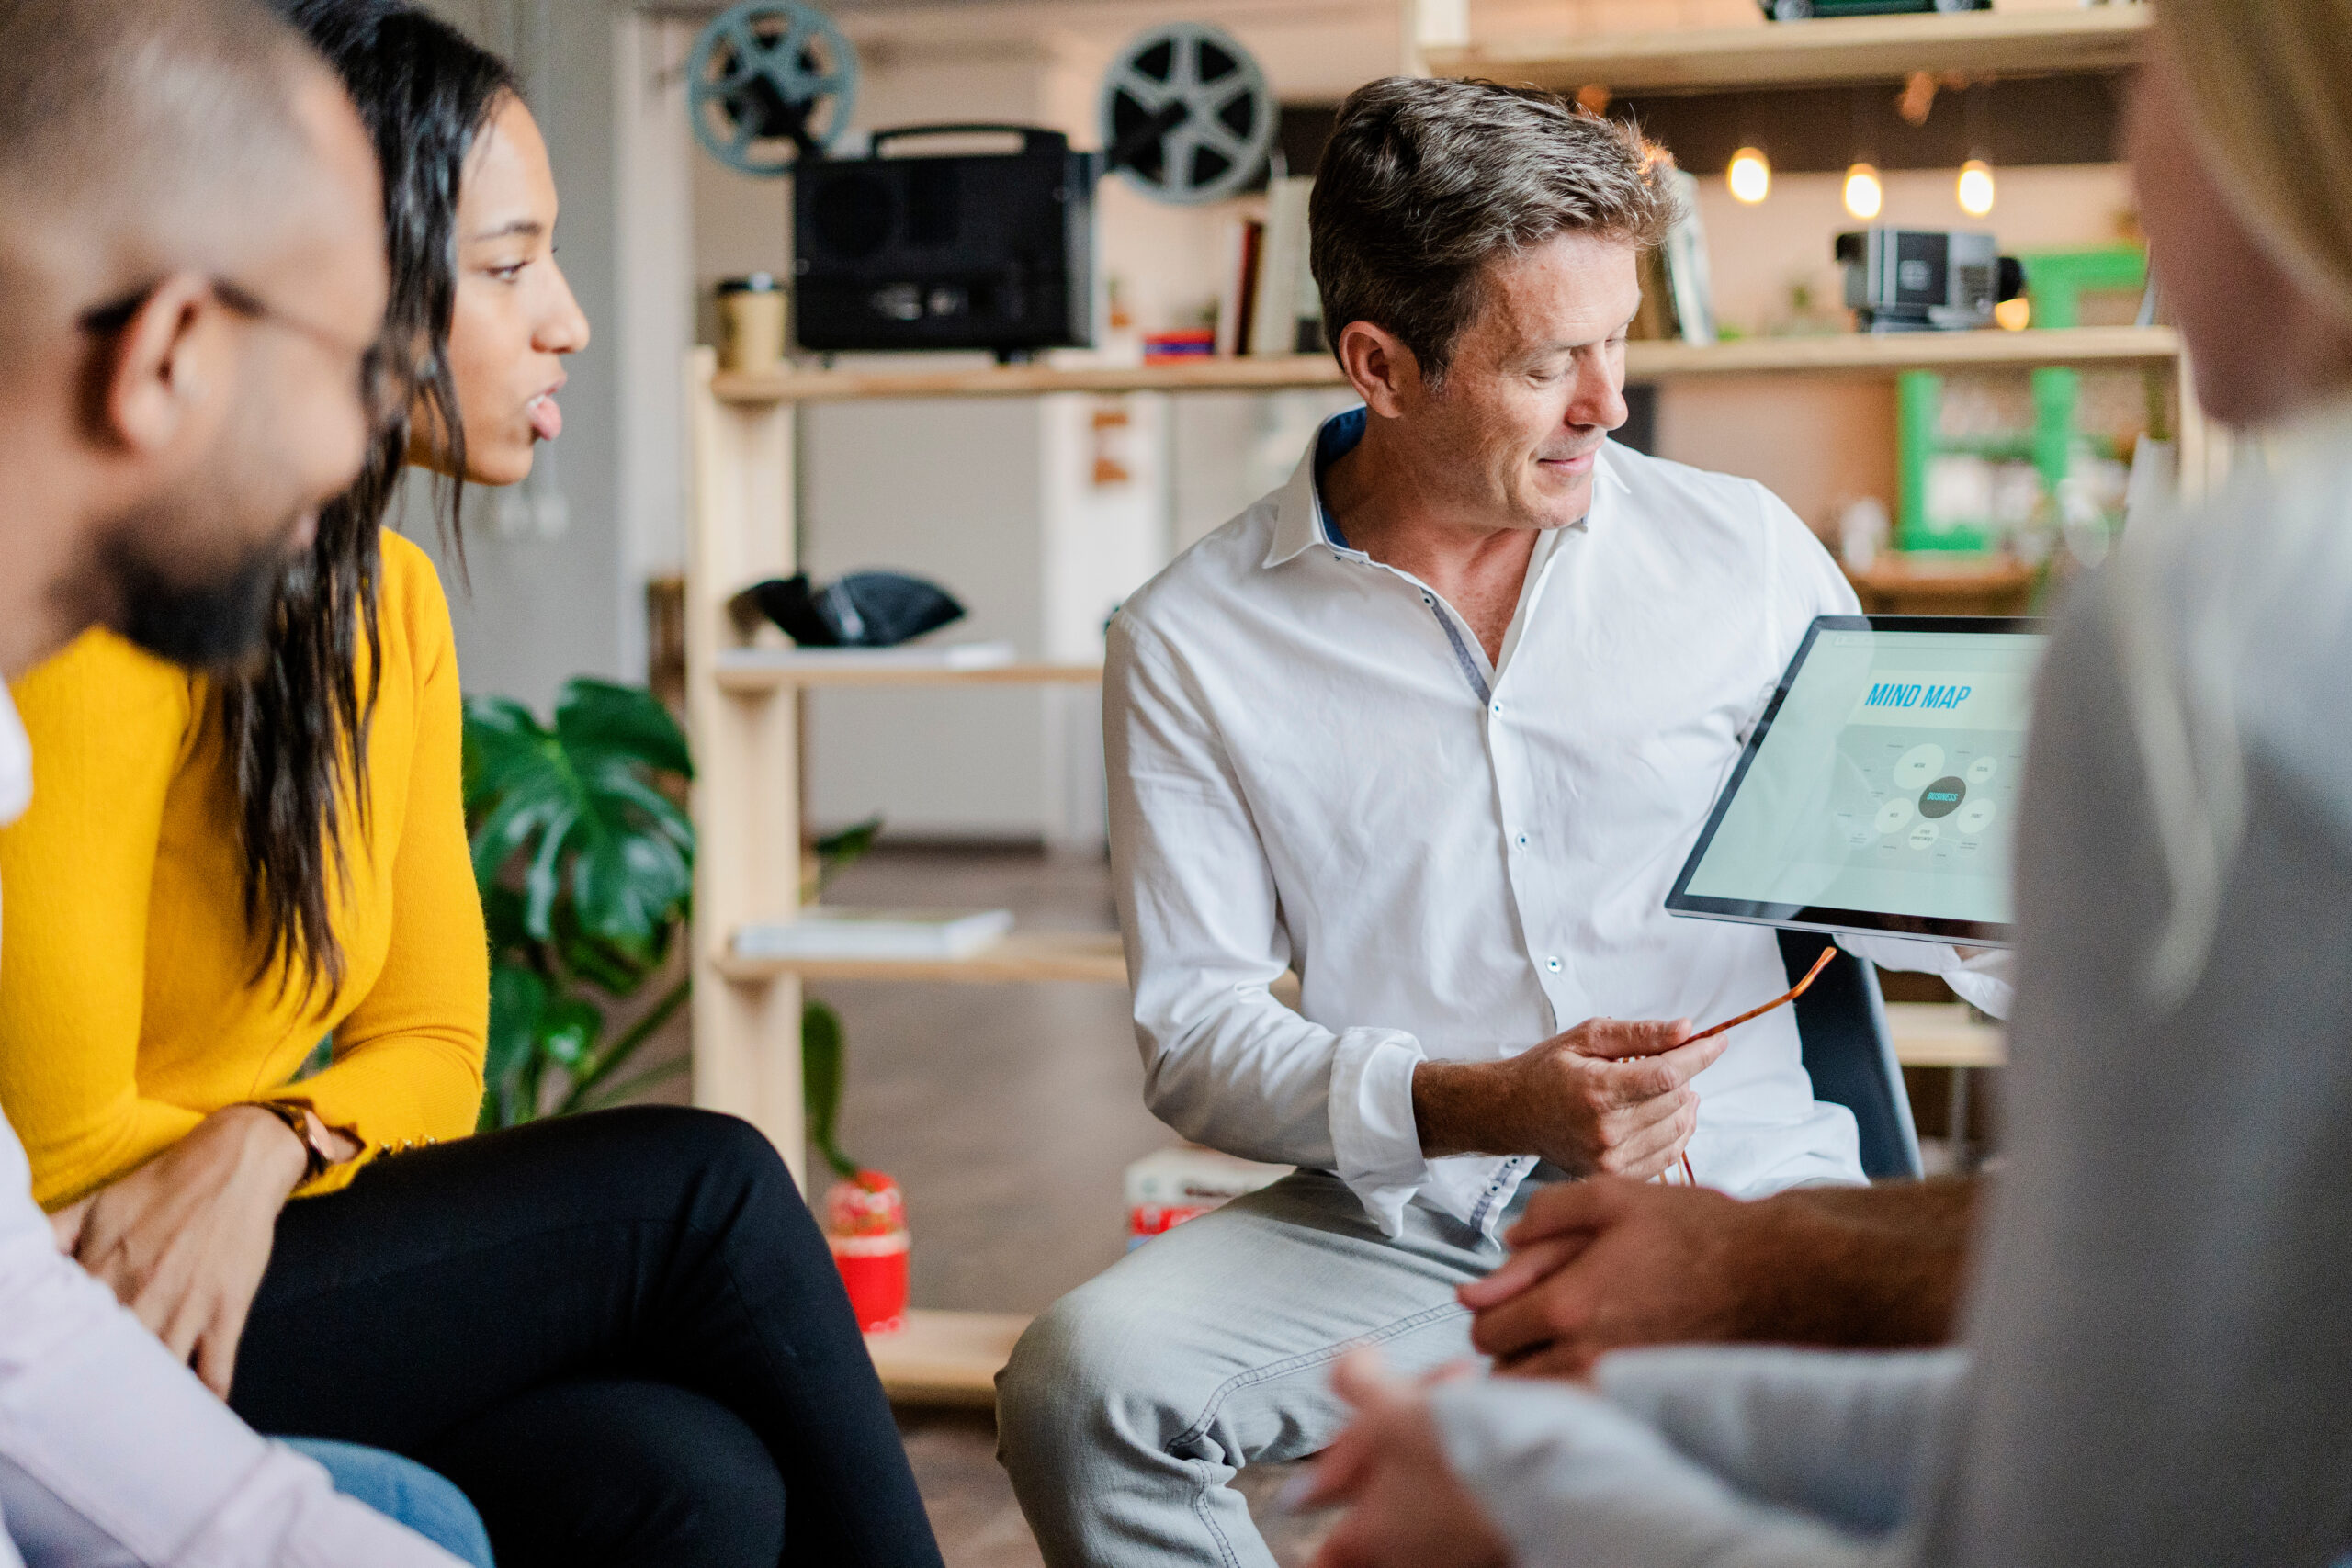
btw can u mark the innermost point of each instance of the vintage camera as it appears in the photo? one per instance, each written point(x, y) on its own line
point(1915, 280)
point(992, 251)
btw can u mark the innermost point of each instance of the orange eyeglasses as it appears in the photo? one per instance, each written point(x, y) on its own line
point(1690, 1178)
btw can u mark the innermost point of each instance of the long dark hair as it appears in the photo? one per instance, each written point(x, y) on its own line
point(297, 722)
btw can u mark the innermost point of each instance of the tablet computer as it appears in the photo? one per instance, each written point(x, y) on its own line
point(1879, 791)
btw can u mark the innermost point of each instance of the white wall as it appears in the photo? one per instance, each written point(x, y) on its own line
point(548, 597)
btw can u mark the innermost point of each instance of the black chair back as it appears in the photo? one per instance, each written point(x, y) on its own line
point(1842, 1029)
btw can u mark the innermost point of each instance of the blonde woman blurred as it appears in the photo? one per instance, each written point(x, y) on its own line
point(2158, 1364)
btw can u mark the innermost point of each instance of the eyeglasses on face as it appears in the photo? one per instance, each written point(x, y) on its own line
point(384, 389)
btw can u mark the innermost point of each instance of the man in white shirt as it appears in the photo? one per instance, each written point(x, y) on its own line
point(191, 283)
point(1434, 726)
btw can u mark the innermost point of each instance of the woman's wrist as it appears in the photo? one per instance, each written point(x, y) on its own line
point(322, 1147)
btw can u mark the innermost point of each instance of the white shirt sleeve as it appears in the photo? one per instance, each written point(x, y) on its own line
point(1225, 1063)
point(1571, 1481)
point(1983, 979)
point(1740, 1457)
point(111, 1451)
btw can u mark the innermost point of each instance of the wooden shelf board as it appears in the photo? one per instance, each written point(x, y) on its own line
point(1835, 353)
point(1888, 352)
point(752, 680)
point(1247, 372)
point(1021, 955)
point(1822, 51)
point(945, 1358)
point(1931, 571)
point(1943, 1035)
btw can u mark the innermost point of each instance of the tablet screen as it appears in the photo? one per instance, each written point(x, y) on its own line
point(1879, 791)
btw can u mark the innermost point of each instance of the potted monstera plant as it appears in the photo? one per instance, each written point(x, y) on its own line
point(585, 861)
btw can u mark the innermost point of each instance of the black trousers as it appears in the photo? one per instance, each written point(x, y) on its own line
point(621, 1335)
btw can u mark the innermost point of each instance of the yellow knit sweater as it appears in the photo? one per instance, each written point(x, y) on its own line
point(129, 1009)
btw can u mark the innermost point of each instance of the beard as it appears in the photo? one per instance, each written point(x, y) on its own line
point(186, 575)
point(216, 622)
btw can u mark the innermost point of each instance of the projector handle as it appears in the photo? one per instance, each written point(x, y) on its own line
point(1033, 140)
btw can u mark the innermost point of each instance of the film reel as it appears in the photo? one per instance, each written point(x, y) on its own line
point(770, 82)
point(1186, 115)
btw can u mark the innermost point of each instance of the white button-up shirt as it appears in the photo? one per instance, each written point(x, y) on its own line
point(1314, 766)
point(112, 1452)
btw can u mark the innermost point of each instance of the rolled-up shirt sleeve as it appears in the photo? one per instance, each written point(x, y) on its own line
point(1225, 1064)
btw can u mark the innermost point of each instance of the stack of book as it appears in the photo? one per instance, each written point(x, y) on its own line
point(1268, 303)
point(1677, 292)
point(824, 930)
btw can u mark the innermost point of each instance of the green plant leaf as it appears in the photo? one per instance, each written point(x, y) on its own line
point(518, 999)
point(501, 740)
point(584, 858)
point(836, 852)
point(589, 1089)
point(626, 885)
point(502, 912)
point(823, 1074)
point(600, 717)
point(567, 1032)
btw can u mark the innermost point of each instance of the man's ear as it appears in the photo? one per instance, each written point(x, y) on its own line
point(1379, 365)
point(165, 363)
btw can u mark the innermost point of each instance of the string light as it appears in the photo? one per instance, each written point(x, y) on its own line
point(1976, 187)
point(1864, 195)
point(2014, 315)
point(1749, 176)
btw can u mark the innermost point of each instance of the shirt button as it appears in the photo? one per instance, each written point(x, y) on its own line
point(1499, 707)
point(1522, 840)
point(1553, 965)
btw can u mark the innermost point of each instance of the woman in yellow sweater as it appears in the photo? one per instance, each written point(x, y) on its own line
point(622, 1335)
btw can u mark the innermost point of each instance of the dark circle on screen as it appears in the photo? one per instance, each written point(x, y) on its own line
point(1942, 797)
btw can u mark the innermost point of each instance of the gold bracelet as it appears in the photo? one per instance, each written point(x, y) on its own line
point(298, 1121)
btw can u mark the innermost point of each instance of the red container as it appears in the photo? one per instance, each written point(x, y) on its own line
point(873, 1272)
point(866, 1225)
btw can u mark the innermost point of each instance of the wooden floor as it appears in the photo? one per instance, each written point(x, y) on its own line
point(979, 1526)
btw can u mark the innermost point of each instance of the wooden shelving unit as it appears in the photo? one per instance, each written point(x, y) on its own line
point(946, 1358)
point(747, 678)
point(1944, 1034)
point(1824, 51)
point(743, 715)
point(1021, 955)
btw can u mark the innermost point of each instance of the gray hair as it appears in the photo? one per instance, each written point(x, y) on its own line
point(1425, 181)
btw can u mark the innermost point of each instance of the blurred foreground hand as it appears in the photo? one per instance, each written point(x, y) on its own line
point(1405, 1506)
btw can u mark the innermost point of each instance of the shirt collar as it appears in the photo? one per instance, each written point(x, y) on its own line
point(15, 762)
point(1301, 520)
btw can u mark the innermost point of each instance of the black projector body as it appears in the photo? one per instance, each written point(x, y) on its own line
point(992, 251)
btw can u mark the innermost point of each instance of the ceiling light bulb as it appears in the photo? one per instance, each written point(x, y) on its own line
point(1749, 176)
point(1864, 195)
point(1975, 190)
